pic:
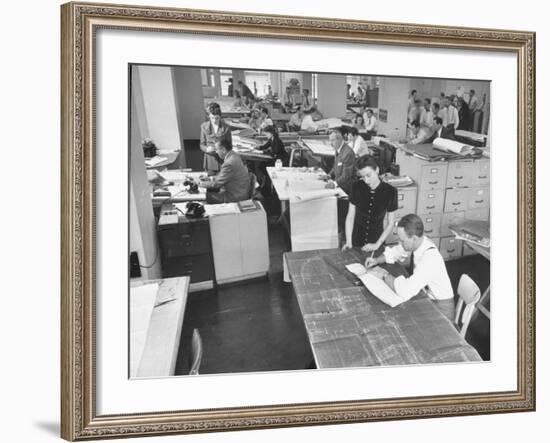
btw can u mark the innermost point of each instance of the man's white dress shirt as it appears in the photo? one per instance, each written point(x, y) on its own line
point(429, 272)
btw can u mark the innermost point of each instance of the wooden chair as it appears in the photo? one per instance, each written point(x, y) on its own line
point(196, 353)
point(468, 295)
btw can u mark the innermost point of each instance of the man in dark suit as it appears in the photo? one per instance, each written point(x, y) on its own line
point(343, 171)
point(233, 181)
point(440, 131)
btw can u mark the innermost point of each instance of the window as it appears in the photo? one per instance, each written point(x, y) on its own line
point(225, 75)
point(257, 81)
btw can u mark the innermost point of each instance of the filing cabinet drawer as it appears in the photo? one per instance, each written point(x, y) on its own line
point(433, 176)
point(432, 224)
point(199, 267)
point(456, 199)
point(459, 173)
point(450, 218)
point(450, 248)
point(481, 175)
point(430, 202)
point(478, 214)
point(183, 239)
point(406, 202)
point(392, 238)
point(478, 198)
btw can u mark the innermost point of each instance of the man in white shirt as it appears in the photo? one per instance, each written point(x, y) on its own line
point(370, 122)
point(450, 115)
point(357, 143)
point(427, 117)
point(427, 270)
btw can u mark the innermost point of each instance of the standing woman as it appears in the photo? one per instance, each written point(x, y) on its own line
point(370, 200)
point(212, 131)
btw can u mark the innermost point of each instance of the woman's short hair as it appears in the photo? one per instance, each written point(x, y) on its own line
point(214, 108)
point(272, 130)
point(366, 161)
point(353, 131)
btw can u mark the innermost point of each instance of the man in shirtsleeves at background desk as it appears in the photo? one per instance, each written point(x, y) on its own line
point(427, 270)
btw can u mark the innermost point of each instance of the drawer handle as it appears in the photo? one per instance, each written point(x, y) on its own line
point(428, 231)
point(400, 207)
point(459, 178)
point(430, 207)
point(185, 237)
point(479, 201)
point(433, 183)
point(455, 203)
point(450, 251)
point(481, 176)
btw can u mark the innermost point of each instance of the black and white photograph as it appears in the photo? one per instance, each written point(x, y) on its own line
point(291, 221)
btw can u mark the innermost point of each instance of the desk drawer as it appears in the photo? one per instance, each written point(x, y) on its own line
point(184, 239)
point(430, 202)
point(433, 176)
point(459, 173)
point(406, 202)
point(481, 172)
point(432, 224)
point(198, 267)
point(478, 198)
point(450, 248)
point(450, 218)
point(456, 199)
point(478, 214)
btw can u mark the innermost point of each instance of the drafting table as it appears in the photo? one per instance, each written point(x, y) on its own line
point(349, 327)
point(157, 308)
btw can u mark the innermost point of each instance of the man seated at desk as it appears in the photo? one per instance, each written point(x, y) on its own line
point(427, 268)
point(439, 131)
point(232, 182)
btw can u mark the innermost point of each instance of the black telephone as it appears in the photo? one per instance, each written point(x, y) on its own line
point(193, 187)
point(194, 210)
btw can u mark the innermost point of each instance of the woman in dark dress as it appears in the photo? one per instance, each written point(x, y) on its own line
point(274, 147)
point(370, 200)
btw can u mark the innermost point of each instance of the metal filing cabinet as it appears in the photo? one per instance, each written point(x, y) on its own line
point(406, 204)
point(185, 248)
point(448, 192)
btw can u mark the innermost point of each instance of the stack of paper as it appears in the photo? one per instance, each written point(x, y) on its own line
point(319, 147)
point(155, 160)
point(452, 146)
point(221, 209)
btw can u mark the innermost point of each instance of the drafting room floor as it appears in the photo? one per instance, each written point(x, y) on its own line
point(257, 325)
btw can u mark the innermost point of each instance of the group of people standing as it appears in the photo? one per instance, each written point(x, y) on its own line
point(453, 111)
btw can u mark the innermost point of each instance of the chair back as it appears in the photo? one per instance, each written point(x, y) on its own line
point(196, 353)
point(468, 295)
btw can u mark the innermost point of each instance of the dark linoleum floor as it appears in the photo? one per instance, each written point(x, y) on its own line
point(257, 326)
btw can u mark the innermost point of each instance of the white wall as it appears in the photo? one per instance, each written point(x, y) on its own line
point(331, 95)
point(393, 97)
point(160, 108)
point(143, 227)
point(30, 326)
point(189, 101)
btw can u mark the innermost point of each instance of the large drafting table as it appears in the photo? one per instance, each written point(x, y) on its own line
point(157, 308)
point(349, 327)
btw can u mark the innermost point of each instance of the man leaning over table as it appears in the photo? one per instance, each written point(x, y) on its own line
point(427, 270)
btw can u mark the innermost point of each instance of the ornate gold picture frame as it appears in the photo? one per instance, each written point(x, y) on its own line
point(80, 22)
